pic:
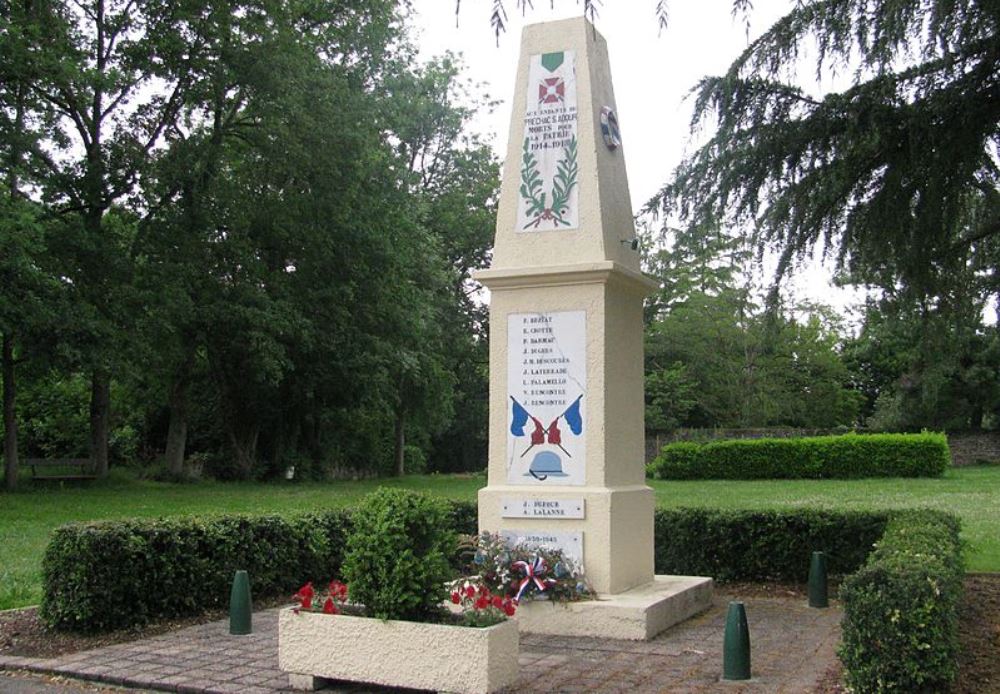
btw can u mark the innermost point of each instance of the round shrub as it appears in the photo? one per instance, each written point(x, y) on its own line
point(396, 562)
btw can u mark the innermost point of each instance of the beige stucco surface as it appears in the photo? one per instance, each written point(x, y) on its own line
point(586, 269)
point(400, 654)
point(605, 205)
point(637, 615)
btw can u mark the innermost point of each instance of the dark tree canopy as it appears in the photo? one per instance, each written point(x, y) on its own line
point(896, 176)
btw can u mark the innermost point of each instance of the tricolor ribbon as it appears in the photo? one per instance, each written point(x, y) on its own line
point(533, 573)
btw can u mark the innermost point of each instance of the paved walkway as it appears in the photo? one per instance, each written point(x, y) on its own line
point(792, 647)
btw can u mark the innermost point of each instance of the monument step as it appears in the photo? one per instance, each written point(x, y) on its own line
point(636, 615)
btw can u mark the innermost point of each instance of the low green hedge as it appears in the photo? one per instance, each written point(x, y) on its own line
point(901, 609)
point(900, 602)
point(850, 456)
point(116, 574)
point(762, 545)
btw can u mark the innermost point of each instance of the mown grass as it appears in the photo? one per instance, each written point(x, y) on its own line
point(27, 517)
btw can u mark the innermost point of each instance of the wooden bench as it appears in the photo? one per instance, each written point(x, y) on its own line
point(60, 468)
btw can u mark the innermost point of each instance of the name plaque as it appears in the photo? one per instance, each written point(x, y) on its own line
point(571, 544)
point(542, 508)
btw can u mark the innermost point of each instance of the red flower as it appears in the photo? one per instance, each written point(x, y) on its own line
point(483, 590)
point(509, 608)
point(470, 592)
point(482, 603)
point(497, 602)
point(338, 590)
point(456, 598)
point(305, 596)
point(329, 607)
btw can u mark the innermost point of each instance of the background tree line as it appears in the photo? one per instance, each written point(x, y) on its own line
point(240, 230)
point(243, 231)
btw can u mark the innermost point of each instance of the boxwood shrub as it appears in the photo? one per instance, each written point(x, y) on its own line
point(762, 545)
point(849, 456)
point(901, 608)
point(115, 574)
point(900, 601)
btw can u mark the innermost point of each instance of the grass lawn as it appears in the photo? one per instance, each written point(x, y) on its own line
point(27, 517)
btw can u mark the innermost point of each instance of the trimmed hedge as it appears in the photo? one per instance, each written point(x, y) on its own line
point(117, 574)
point(850, 456)
point(762, 545)
point(900, 603)
point(900, 631)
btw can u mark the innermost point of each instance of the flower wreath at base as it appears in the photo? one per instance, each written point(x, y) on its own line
point(524, 571)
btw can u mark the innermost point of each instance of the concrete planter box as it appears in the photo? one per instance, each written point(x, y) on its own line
point(314, 646)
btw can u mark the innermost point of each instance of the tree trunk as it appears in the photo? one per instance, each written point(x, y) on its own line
point(177, 430)
point(100, 421)
point(244, 444)
point(400, 453)
point(9, 419)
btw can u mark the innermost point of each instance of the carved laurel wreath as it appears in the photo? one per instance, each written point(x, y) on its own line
point(538, 210)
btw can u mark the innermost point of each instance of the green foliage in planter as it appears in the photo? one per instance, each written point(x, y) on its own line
point(117, 574)
point(901, 608)
point(761, 545)
point(397, 559)
point(850, 456)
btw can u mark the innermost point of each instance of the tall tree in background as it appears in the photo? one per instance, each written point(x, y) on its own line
point(716, 358)
point(454, 178)
point(115, 73)
point(894, 176)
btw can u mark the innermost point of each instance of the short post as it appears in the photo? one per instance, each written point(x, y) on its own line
point(240, 606)
point(817, 581)
point(736, 645)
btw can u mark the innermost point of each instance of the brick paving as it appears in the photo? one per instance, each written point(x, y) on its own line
point(792, 646)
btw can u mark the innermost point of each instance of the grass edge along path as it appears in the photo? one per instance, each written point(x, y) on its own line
point(27, 518)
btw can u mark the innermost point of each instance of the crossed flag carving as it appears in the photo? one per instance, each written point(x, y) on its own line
point(538, 437)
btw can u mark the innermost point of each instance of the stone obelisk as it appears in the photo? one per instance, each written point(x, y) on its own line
point(566, 452)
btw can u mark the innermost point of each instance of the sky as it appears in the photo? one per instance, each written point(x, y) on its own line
point(653, 73)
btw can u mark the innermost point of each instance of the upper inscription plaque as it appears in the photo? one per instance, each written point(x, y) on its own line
point(548, 195)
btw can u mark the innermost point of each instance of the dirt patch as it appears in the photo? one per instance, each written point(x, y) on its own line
point(979, 636)
point(22, 633)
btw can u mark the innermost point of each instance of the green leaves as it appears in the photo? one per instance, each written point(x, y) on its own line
point(893, 176)
point(396, 563)
point(901, 608)
point(849, 456)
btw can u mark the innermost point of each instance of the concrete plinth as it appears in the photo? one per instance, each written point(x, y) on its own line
point(636, 615)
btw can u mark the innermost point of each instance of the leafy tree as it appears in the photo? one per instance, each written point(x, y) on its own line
point(454, 178)
point(895, 175)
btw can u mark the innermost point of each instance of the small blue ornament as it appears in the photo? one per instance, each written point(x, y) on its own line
point(560, 570)
point(581, 587)
point(480, 558)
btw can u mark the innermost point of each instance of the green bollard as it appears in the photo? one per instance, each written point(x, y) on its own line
point(817, 581)
point(240, 607)
point(736, 645)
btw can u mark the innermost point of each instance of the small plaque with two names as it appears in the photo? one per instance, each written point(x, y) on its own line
point(542, 508)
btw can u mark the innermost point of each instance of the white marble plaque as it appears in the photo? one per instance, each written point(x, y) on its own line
point(571, 544)
point(541, 508)
point(546, 405)
point(549, 191)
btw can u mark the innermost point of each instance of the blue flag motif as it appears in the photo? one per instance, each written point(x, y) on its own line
point(573, 418)
point(520, 418)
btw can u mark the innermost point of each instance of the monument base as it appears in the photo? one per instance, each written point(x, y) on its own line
point(636, 615)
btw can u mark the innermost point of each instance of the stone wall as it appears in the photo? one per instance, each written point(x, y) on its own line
point(972, 447)
point(967, 447)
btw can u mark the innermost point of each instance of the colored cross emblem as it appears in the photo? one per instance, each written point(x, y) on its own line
point(551, 91)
